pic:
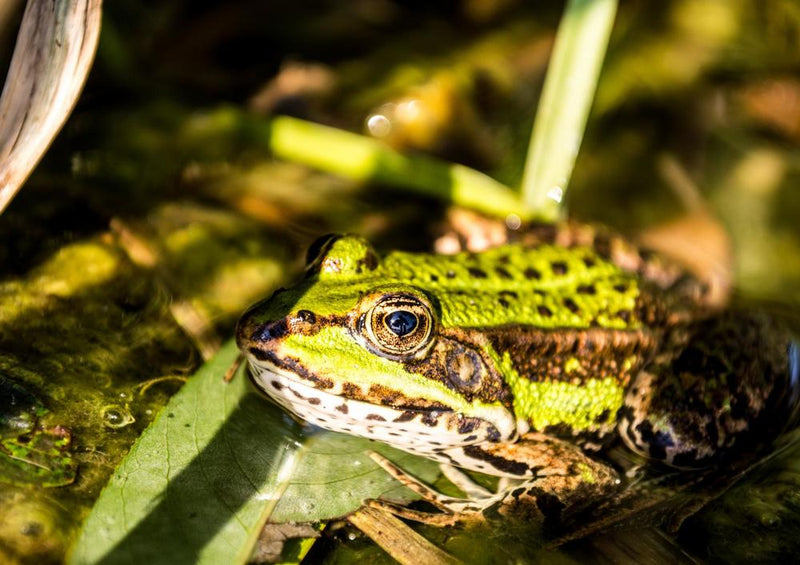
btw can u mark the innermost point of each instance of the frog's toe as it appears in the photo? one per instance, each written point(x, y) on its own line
point(460, 479)
point(479, 499)
point(439, 519)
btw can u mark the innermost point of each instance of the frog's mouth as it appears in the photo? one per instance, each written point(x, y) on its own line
point(428, 431)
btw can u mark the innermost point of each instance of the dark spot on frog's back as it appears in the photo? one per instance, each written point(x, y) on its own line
point(559, 268)
point(476, 272)
point(532, 274)
point(502, 273)
point(544, 311)
point(570, 305)
point(560, 430)
point(368, 262)
point(586, 289)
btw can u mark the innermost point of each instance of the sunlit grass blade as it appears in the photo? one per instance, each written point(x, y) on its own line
point(365, 159)
point(564, 106)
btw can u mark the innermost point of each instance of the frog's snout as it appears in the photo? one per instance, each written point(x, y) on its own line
point(270, 331)
point(255, 334)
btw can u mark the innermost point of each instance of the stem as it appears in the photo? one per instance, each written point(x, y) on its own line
point(364, 159)
point(564, 106)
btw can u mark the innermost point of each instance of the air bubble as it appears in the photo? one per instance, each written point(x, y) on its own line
point(513, 222)
point(556, 194)
point(116, 417)
point(379, 125)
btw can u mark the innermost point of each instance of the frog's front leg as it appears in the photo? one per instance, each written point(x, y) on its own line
point(560, 477)
point(732, 383)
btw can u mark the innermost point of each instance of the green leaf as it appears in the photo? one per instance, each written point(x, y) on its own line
point(202, 480)
point(333, 475)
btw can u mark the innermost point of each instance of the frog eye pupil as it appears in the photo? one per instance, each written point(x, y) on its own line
point(397, 326)
point(401, 322)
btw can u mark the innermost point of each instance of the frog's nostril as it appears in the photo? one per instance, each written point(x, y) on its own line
point(269, 331)
point(307, 316)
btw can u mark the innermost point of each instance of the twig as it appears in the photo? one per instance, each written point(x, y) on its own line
point(54, 51)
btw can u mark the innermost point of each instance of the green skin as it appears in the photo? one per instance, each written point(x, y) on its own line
point(517, 360)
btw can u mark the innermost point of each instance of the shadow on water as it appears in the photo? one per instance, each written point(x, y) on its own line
point(205, 496)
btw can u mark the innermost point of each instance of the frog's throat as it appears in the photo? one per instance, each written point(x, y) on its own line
point(433, 433)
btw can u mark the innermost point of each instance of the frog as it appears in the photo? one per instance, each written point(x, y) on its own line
point(523, 361)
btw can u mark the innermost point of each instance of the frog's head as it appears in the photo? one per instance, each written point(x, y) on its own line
point(356, 347)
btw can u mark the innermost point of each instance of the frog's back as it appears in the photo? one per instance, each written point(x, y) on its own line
point(541, 285)
point(566, 317)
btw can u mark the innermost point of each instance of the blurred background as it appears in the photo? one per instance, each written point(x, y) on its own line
point(158, 215)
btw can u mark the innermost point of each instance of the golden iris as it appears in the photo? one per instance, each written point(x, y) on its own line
point(398, 325)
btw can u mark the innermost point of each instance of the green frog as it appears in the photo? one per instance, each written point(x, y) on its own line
point(523, 359)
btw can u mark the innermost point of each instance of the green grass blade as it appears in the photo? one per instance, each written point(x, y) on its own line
point(365, 159)
point(564, 106)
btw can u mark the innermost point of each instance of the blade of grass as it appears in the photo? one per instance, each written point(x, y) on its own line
point(365, 159)
point(564, 106)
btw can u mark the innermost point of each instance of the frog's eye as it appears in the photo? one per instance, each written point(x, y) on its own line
point(398, 326)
